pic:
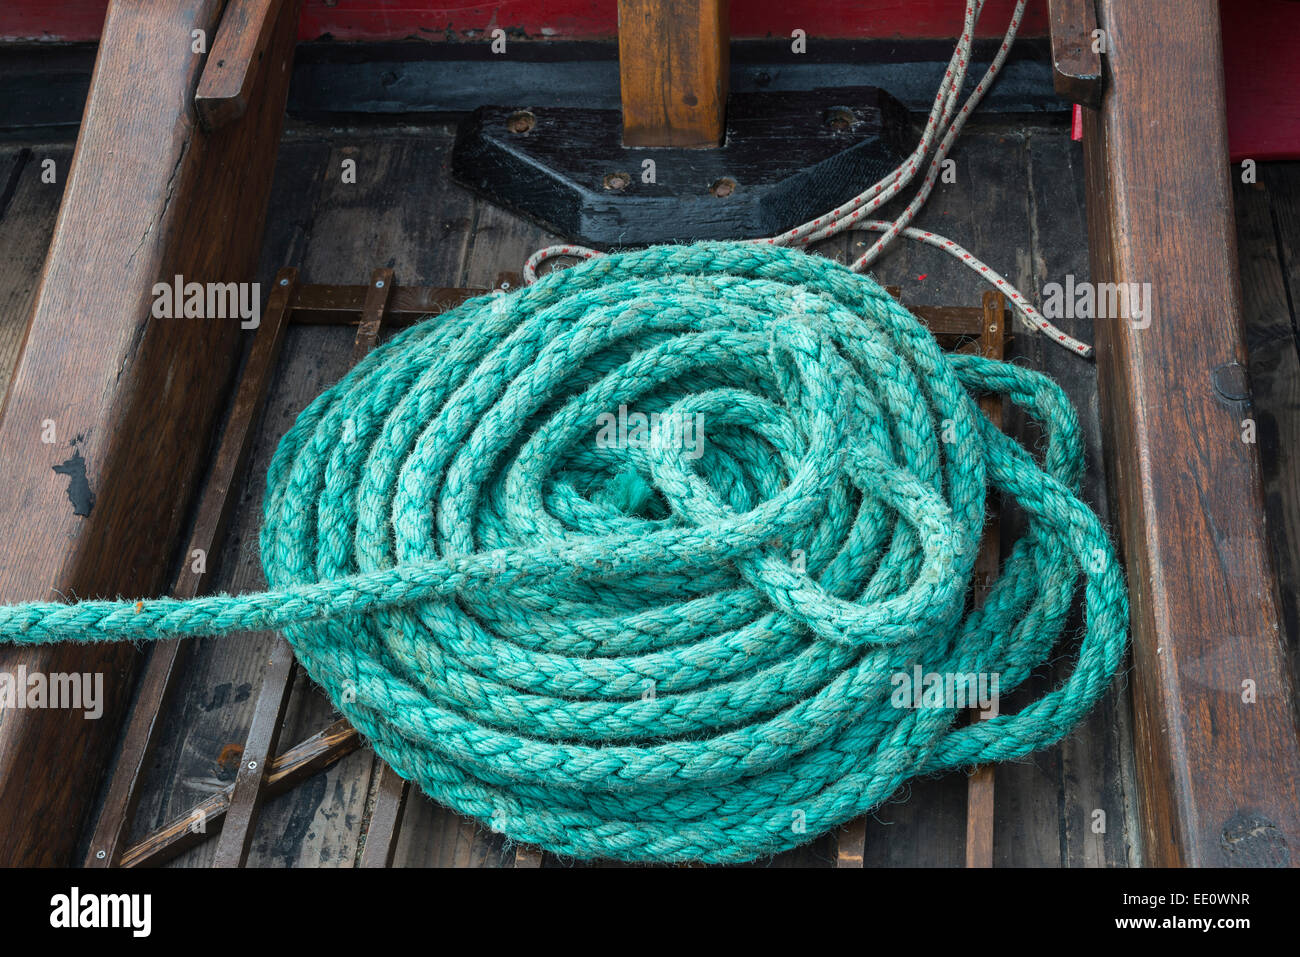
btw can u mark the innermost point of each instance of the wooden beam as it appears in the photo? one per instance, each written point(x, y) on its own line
point(1076, 66)
point(132, 399)
point(1217, 756)
point(673, 61)
point(229, 76)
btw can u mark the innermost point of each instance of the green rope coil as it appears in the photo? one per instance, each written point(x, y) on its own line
point(642, 651)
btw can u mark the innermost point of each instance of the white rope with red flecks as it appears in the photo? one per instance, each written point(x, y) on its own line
point(945, 118)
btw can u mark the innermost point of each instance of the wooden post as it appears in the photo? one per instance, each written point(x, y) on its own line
point(131, 399)
point(673, 63)
point(1217, 756)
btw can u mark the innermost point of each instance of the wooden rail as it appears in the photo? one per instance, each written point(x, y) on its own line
point(132, 399)
point(1217, 756)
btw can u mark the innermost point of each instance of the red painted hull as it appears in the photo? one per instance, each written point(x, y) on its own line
point(80, 20)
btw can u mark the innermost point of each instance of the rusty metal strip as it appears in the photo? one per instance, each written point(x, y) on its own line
point(290, 769)
point(167, 660)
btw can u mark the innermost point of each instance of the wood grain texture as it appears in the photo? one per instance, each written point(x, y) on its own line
point(134, 400)
point(673, 63)
point(1218, 772)
point(230, 73)
point(28, 208)
point(1095, 770)
point(1268, 244)
point(1076, 67)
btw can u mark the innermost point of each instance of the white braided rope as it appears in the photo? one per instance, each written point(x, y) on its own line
point(945, 122)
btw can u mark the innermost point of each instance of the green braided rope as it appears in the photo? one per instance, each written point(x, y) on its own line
point(489, 595)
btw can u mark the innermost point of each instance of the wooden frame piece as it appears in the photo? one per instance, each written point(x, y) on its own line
point(1217, 756)
point(133, 398)
point(673, 61)
point(1076, 66)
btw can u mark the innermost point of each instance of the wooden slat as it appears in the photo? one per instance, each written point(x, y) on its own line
point(1076, 68)
point(287, 771)
point(249, 791)
point(341, 305)
point(134, 398)
point(231, 68)
point(385, 819)
point(1218, 774)
point(979, 785)
point(268, 719)
point(167, 660)
point(673, 62)
point(374, 313)
point(1275, 371)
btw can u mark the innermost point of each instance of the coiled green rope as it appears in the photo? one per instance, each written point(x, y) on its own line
point(632, 652)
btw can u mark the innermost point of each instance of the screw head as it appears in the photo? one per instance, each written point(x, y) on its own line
point(839, 118)
point(723, 187)
point(284, 282)
point(617, 181)
point(520, 121)
point(252, 765)
point(379, 284)
point(100, 855)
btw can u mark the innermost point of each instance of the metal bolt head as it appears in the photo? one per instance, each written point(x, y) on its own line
point(284, 282)
point(379, 284)
point(520, 121)
point(723, 187)
point(839, 118)
point(617, 181)
point(100, 855)
point(252, 765)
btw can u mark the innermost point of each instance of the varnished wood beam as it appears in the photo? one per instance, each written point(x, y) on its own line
point(1076, 64)
point(1217, 756)
point(673, 60)
point(132, 399)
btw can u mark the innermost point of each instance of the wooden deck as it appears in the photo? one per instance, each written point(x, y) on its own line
point(1018, 202)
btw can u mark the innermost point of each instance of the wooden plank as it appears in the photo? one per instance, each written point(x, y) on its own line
point(403, 214)
point(28, 207)
point(1268, 247)
point(433, 836)
point(246, 798)
point(1076, 66)
point(979, 784)
point(133, 399)
point(374, 313)
point(1094, 771)
point(204, 732)
point(329, 305)
point(1218, 769)
point(288, 771)
point(385, 819)
point(238, 49)
point(673, 63)
point(168, 659)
